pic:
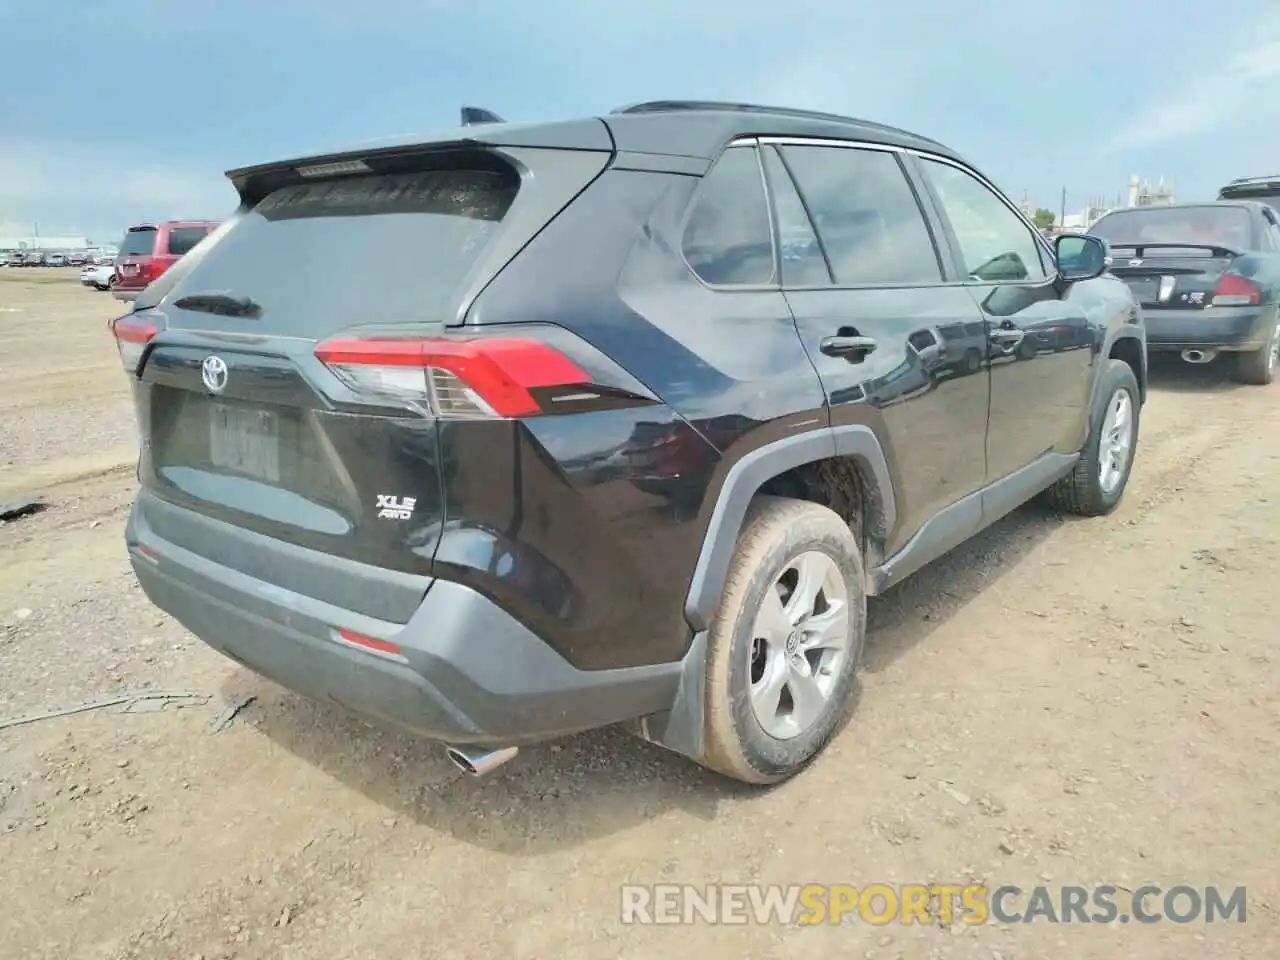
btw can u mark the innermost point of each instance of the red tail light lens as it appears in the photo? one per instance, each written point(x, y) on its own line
point(1234, 290)
point(456, 378)
point(132, 336)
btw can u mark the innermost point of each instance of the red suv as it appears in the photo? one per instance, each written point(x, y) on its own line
point(148, 250)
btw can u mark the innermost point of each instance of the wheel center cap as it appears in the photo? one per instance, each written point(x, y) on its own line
point(793, 643)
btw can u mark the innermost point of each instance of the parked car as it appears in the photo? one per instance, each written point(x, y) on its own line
point(100, 276)
point(1208, 277)
point(148, 250)
point(16, 258)
point(55, 260)
point(1260, 189)
point(594, 453)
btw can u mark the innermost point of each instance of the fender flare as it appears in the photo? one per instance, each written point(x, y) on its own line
point(1126, 332)
point(744, 480)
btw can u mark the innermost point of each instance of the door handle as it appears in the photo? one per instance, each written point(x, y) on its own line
point(1006, 338)
point(855, 348)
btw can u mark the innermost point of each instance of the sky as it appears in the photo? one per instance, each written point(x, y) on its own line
point(113, 113)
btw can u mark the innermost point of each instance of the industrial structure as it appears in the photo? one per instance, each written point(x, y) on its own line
point(1142, 193)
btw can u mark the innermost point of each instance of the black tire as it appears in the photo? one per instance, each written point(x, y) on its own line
point(775, 533)
point(972, 361)
point(1081, 492)
point(1259, 367)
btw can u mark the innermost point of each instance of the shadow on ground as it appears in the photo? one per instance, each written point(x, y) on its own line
point(1169, 373)
point(559, 795)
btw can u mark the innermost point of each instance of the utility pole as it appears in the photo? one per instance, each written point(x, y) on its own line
point(1063, 218)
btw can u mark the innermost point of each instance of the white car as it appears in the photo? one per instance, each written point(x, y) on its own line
point(100, 276)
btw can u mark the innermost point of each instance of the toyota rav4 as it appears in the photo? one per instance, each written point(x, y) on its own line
point(614, 420)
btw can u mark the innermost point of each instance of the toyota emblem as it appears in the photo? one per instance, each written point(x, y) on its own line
point(214, 373)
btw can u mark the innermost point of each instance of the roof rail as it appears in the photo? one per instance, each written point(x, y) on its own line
point(471, 116)
point(672, 106)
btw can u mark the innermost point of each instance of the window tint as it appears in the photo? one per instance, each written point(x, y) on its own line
point(182, 239)
point(866, 214)
point(803, 263)
point(139, 242)
point(728, 239)
point(994, 242)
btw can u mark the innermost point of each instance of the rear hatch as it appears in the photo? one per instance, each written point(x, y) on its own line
point(259, 400)
point(135, 262)
point(1177, 257)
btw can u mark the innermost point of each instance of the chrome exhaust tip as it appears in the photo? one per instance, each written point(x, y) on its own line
point(477, 763)
point(1198, 356)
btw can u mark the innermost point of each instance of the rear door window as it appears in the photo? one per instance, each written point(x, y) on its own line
point(138, 242)
point(866, 214)
point(182, 239)
point(728, 239)
point(389, 248)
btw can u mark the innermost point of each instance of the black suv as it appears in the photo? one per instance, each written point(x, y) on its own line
point(530, 429)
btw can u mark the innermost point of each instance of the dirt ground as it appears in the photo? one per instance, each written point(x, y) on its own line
point(1057, 702)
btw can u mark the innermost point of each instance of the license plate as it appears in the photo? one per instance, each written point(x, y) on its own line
point(1144, 290)
point(246, 441)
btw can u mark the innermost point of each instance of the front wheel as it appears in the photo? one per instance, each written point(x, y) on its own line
point(784, 646)
point(1259, 367)
point(1100, 476)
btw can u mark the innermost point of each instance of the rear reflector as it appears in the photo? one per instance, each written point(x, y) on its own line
point(369, 643)
point(132, 336)
point(1234, 290)
point(457, 378)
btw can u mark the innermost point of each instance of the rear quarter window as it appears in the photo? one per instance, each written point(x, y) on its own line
point(182, 239)
point(728, 239)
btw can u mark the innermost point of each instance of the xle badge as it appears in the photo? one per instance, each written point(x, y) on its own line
point(395, 508)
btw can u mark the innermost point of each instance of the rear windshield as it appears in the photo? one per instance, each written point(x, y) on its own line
point(1222, 226)
point(139, 242)
point(182, 239)
point(388, 248)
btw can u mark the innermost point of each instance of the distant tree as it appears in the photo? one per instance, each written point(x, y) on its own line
point(1043, 218)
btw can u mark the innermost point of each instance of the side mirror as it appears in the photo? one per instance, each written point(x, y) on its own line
point(1080, 257)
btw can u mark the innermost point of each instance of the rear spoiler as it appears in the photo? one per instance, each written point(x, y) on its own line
point(1140, 249)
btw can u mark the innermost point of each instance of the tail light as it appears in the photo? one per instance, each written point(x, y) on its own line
point(1234, 290)
point(132, 335)
point(151, 269)
point(455, 378)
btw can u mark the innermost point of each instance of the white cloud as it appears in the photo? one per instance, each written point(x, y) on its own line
point(92, 189)
point(1243, 89)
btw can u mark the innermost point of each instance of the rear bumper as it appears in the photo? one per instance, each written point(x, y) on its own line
point(129, 295)
point(467, 672)
point(1222, 328)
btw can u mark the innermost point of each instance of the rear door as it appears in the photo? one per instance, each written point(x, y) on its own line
point(136, 250)
point(867, 287)
point(248, 419)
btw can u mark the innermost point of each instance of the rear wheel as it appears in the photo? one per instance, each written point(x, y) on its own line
point(1099, 479)
point(1259, 367)
point(784, 646)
